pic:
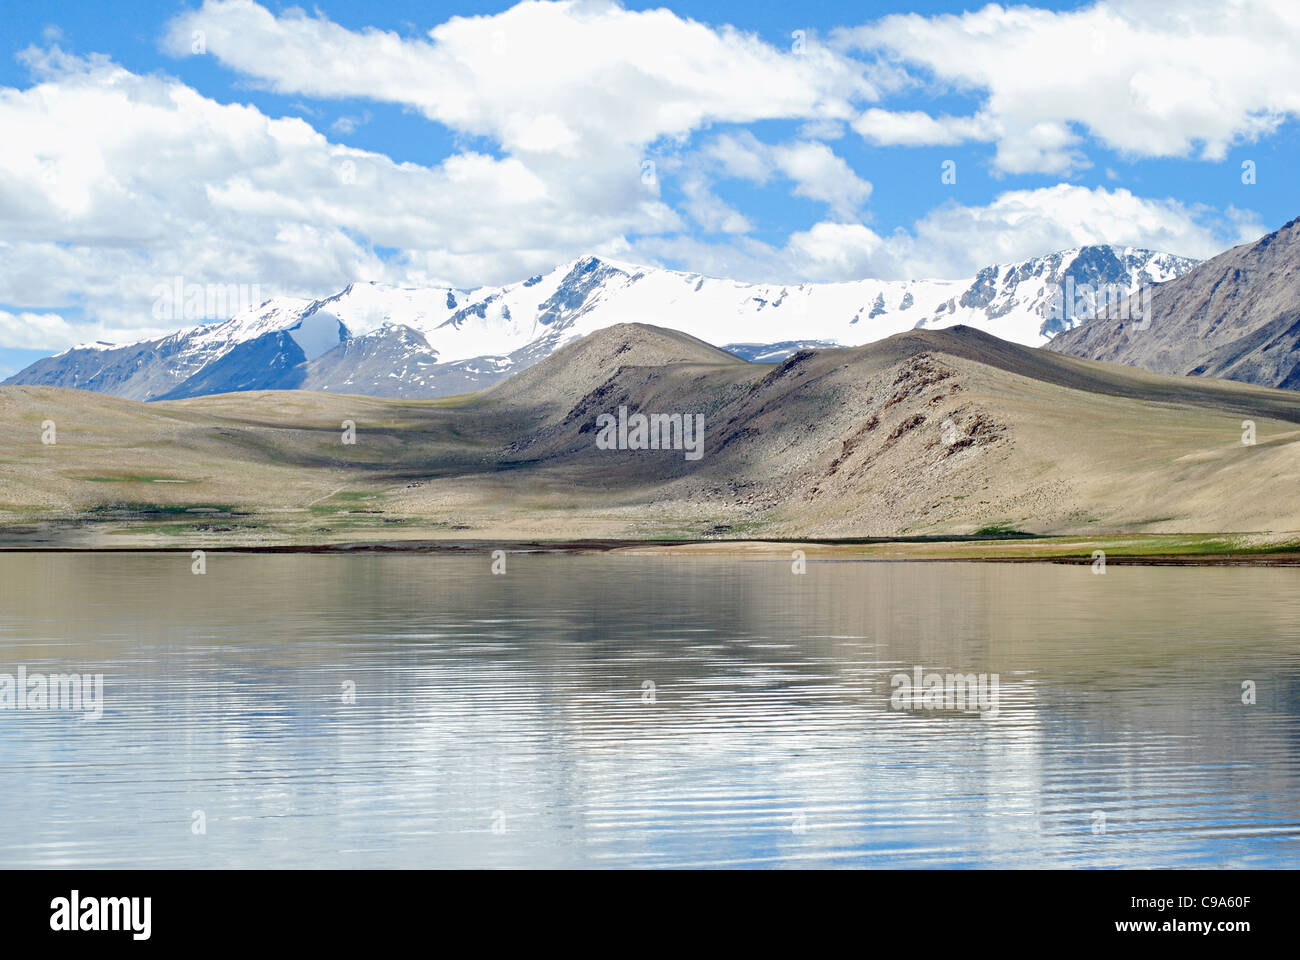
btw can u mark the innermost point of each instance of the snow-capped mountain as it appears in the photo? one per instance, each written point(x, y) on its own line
point(387, 340)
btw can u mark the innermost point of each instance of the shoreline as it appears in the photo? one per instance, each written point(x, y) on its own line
point(1119, 551)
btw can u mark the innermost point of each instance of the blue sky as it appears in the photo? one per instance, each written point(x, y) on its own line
point(519, 136)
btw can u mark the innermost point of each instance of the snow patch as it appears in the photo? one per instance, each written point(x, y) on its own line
point(316, 333)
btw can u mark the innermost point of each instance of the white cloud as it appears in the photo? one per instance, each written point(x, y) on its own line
point(556, 85)
point(1147, 78)
point(709, 210)
point(820, 175)
point(1024, 223)
point(36, 331)
point(836, 251)
point(821, 130)
point(31, 330)
point(917, 128)
point(955, 241)
point(538, 77)
point(816, 171)
point(741, 156)
point(347, 125)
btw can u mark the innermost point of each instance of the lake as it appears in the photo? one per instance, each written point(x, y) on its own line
point(416, 710)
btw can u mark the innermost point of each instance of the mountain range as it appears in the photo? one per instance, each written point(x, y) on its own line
point(1235, 316)
point(925, 433)
point(384, 340)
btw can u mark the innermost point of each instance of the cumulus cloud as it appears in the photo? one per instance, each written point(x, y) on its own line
point(815, 170)
point(347, 125)
point(819, 174)
point(539, 77)
point(912, 128)
point(38, 331)
point(956, 240)
point(1147, 78)
point(1024, 223)
point(41, 330)
point(709, 210)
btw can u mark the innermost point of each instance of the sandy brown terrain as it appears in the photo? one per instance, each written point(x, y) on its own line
point(932, 433)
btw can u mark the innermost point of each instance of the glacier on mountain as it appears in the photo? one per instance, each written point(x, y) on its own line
point(391, 340)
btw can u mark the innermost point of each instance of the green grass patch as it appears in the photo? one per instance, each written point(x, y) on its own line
point(126, 510)
point(1003, 531)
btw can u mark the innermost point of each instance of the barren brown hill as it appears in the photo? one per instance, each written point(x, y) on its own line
point(1236, 316)
point(584, 364)
point(937, 433)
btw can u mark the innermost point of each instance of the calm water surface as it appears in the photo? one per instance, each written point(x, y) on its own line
point(631, 711)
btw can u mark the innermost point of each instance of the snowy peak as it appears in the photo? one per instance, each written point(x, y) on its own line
point(1060, 290)
point(393, 340)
